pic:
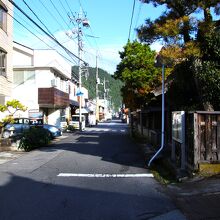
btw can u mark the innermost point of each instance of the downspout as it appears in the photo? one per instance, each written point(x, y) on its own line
point(162, 123)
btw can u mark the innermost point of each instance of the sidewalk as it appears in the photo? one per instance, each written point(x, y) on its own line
point(198, 198)
point(8, 153)
point(6, 156)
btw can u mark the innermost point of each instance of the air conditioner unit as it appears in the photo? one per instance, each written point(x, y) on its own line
point(54, 83)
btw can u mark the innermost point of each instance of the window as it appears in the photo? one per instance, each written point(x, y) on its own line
point(18, 78)
point(26, 121)
point(21, 77)
point(2, 62)
point(3, 17)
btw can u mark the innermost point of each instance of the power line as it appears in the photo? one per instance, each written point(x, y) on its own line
point(131, 20)
point(67, 50)
point(38, 19)
point(138, 16)
point(63, 6)
point(92, 33)
point(51, 14)
point(59, 14)
point(25, 26)
point(69, 8)
point(40, 38)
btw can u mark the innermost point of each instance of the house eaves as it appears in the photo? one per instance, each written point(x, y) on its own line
point(52, 69)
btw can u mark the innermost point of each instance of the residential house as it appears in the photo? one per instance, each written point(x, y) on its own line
point(42, 82)
point(6, 50)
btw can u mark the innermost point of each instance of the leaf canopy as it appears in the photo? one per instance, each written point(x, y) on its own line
point(138, 72)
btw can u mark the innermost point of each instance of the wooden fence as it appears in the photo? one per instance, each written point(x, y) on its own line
point(206, 137)
point(202, 136)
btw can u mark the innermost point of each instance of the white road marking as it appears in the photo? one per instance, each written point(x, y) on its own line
point(99, 175)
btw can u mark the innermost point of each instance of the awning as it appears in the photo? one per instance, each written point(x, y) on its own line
point(74, 103)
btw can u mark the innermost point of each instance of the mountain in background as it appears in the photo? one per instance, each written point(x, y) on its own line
point(112, 86)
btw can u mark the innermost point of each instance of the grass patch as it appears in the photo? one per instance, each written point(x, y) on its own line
point(160, 167)
point(163, 172)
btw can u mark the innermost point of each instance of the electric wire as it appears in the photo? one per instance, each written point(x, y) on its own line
point(38, 18)
point(51, 14)
point(69, 8)
point(132, 15)
point(137, 18)
point(86, 36)
point(92, 33)
point(40, 39)
point(63, 6)
point(57, 21)
point(60, 14)
point(25, 26)
point(42, 22)
point(64, 48)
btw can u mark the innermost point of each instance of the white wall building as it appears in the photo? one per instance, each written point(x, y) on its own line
point(42, 82)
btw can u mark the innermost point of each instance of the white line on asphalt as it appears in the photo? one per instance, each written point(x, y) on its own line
point(99, 175)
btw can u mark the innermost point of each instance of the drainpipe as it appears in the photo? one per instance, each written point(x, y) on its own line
point(162, 123)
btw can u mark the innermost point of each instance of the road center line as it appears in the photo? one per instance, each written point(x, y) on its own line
point(99, 175)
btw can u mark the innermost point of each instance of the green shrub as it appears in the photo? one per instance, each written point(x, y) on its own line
point(70, 128)
point(33, 138)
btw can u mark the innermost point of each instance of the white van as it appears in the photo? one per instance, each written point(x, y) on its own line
point(75, 121)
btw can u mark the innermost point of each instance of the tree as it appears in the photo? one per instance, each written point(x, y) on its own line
point(138, 72)
point(11, 107)
point(208, 69)
point(189, 42)
point(113, 86)
point(178, 27)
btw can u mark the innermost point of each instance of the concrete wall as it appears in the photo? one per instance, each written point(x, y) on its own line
point(43, 67)
point(50, 58)
point(6, 41)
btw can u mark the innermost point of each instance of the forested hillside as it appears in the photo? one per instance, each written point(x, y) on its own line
point(112, 86)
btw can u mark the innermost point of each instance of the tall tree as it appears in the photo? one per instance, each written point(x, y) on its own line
point(138, 73)
point(189, 40)
point(178, 26)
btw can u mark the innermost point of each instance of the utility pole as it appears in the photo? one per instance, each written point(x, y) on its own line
point(81, 22)
point(97, 90)
point(79, 33)
point(105, 90)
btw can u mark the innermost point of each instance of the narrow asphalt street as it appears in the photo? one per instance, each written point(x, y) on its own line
point(97, 174)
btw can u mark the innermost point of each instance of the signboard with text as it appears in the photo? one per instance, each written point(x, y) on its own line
point(178, 126)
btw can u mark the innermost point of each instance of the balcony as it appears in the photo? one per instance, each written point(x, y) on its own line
point(52, 98)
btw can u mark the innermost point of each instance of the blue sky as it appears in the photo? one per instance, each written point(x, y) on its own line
point(109, 25)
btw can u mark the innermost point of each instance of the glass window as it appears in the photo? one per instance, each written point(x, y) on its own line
point(3, 19)
point(75, 118)
point(18, 78)
point(26, 121)
point(18, 121)
point(2, 63)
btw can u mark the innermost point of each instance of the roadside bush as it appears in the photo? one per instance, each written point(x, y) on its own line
point(70, 128)
point(33, 138)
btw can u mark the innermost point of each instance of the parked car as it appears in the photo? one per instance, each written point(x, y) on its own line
point(16, 128)
point(20, 125)
point(54, 131)
point(74, 122)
